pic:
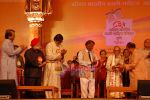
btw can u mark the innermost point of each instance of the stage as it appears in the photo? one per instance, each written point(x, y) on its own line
point(78, 99)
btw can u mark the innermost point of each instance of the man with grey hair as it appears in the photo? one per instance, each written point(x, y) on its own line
point(8, 56)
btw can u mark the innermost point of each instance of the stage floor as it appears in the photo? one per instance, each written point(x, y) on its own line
point(82, 99)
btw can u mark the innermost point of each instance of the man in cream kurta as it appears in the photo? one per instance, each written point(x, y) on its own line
point(8, 56)
point(87, 59)
point(54, 56)
point(146, 54)
point(137, 66)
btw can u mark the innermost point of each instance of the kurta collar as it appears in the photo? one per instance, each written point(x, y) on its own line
point(55, 44)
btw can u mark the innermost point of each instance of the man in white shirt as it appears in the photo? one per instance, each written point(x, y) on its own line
point(87, 60)
point(8, 56)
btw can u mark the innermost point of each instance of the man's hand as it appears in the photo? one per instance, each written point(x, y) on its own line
point(43, 64)
point(63, 52)
point(120, 68)
point(113, 68)
point(23, 47)
point(94, 63)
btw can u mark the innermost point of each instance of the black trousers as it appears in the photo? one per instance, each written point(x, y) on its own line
point(102, 88)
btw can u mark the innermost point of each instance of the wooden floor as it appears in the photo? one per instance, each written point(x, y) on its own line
point(79, 99)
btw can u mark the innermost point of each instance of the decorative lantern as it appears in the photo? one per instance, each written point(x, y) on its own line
point(36, 10)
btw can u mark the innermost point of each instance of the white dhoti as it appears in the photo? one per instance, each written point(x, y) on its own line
point(51, 74)
point(52, 78)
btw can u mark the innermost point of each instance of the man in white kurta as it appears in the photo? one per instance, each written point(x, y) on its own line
point(87, 59)
point(54, 57)
point(8, 57)
point(137, 66)
point(114, 75)
point(146, 54)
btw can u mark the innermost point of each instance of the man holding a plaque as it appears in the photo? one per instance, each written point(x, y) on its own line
point(34, 61)
point(114, 72)
point(87, 60)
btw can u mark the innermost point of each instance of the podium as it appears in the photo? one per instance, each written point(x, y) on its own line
point(8, 89)
point(144, 89)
